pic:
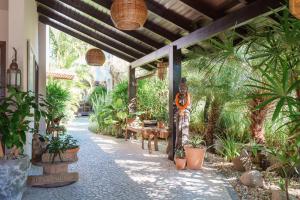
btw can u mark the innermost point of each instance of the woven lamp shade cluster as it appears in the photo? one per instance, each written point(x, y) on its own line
point(95, 57)
point(294, 6)
point(129, 14)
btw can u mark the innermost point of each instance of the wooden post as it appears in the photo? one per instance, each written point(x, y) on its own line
point(174, 80)
point(132, 90)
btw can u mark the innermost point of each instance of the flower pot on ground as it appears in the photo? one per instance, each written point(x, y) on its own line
point(16, 109)
point(180, 159)
point(195, 152)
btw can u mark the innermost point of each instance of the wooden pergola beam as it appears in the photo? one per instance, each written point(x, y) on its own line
point(203, 8)
point(49, 13)
point(159, 10)
point(232, 20)
point(105, 18)
point(83, 38)
point(59, 7)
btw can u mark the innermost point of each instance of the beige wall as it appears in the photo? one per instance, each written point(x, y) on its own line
point(23, 27)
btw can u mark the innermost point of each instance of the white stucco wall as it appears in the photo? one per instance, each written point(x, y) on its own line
point(23, 26)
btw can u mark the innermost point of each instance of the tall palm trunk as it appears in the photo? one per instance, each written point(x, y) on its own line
point(258, 118)
point(213, 118)
point(206, 109)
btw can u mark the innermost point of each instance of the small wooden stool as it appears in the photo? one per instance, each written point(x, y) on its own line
point(150, 133)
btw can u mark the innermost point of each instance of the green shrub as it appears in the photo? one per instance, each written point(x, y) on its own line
point(57, 97)
point(230, 148)
point(196, 141)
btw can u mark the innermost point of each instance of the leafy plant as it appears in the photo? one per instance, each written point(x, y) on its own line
point(56, 98)
point(179, 152)
point(17, 111)
point(230, 148)
point(58, 145)
point(196, 141)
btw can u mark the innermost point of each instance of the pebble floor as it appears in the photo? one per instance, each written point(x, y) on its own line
point(114, 169)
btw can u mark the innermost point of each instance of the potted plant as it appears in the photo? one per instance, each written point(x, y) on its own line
point(180, 159)
point(61, 149)
point(195, 152)
point(15, 123)
point(71, 144)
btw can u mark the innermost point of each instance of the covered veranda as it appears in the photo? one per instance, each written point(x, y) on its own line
point(171, 30)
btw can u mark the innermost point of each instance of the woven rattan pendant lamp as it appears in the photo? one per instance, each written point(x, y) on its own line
point(294, 6)
point(129, 14)
point(95, 57)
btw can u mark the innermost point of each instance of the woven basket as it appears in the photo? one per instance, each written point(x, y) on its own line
point(129, 14)
point(95, 57)
point(162, 70)
point(294, 6)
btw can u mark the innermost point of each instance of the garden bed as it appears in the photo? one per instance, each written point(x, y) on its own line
point(249, 193)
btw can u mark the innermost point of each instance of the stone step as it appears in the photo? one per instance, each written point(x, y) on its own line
point(53, 180)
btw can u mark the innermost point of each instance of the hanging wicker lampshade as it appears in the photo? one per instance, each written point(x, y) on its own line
point(162, 70)
point(95, 57)
point(294, 6)
point(129, 14)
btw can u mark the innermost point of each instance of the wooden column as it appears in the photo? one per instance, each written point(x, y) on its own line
point(174, 80)
point(132, 83)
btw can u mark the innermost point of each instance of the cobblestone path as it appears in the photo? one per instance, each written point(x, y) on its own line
point(113, 169)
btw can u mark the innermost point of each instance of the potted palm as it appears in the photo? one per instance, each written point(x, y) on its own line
point(180, 159)
point(15, 111)
point(195, 152)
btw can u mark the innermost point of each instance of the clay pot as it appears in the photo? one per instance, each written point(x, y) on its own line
point(74, 150)
point(194, 157)
point(180, 163)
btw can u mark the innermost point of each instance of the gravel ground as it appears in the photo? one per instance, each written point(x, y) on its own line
point(250, 193)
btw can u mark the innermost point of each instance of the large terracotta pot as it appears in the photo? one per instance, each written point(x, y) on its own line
point(194, 157)
point(180, 163)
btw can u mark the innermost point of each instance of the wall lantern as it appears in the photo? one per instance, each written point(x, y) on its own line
point(14, 73)
point(95, 57)
point(129, 14)
point(294, 6)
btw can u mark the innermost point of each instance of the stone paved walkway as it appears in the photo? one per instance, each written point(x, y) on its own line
point(112, 169)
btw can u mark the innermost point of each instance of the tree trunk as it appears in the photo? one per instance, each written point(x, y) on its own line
point(258, 117)
point(213, 118)
point(206, 109)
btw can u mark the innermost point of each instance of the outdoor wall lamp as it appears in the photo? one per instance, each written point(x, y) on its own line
point(14, 74)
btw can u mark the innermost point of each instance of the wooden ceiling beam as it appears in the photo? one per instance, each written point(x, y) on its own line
point(59, 18)
point(59, 7)
point(105, 18)
point(203, 8)
point(232, 20)
point(83, 38)
point(159, 10)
